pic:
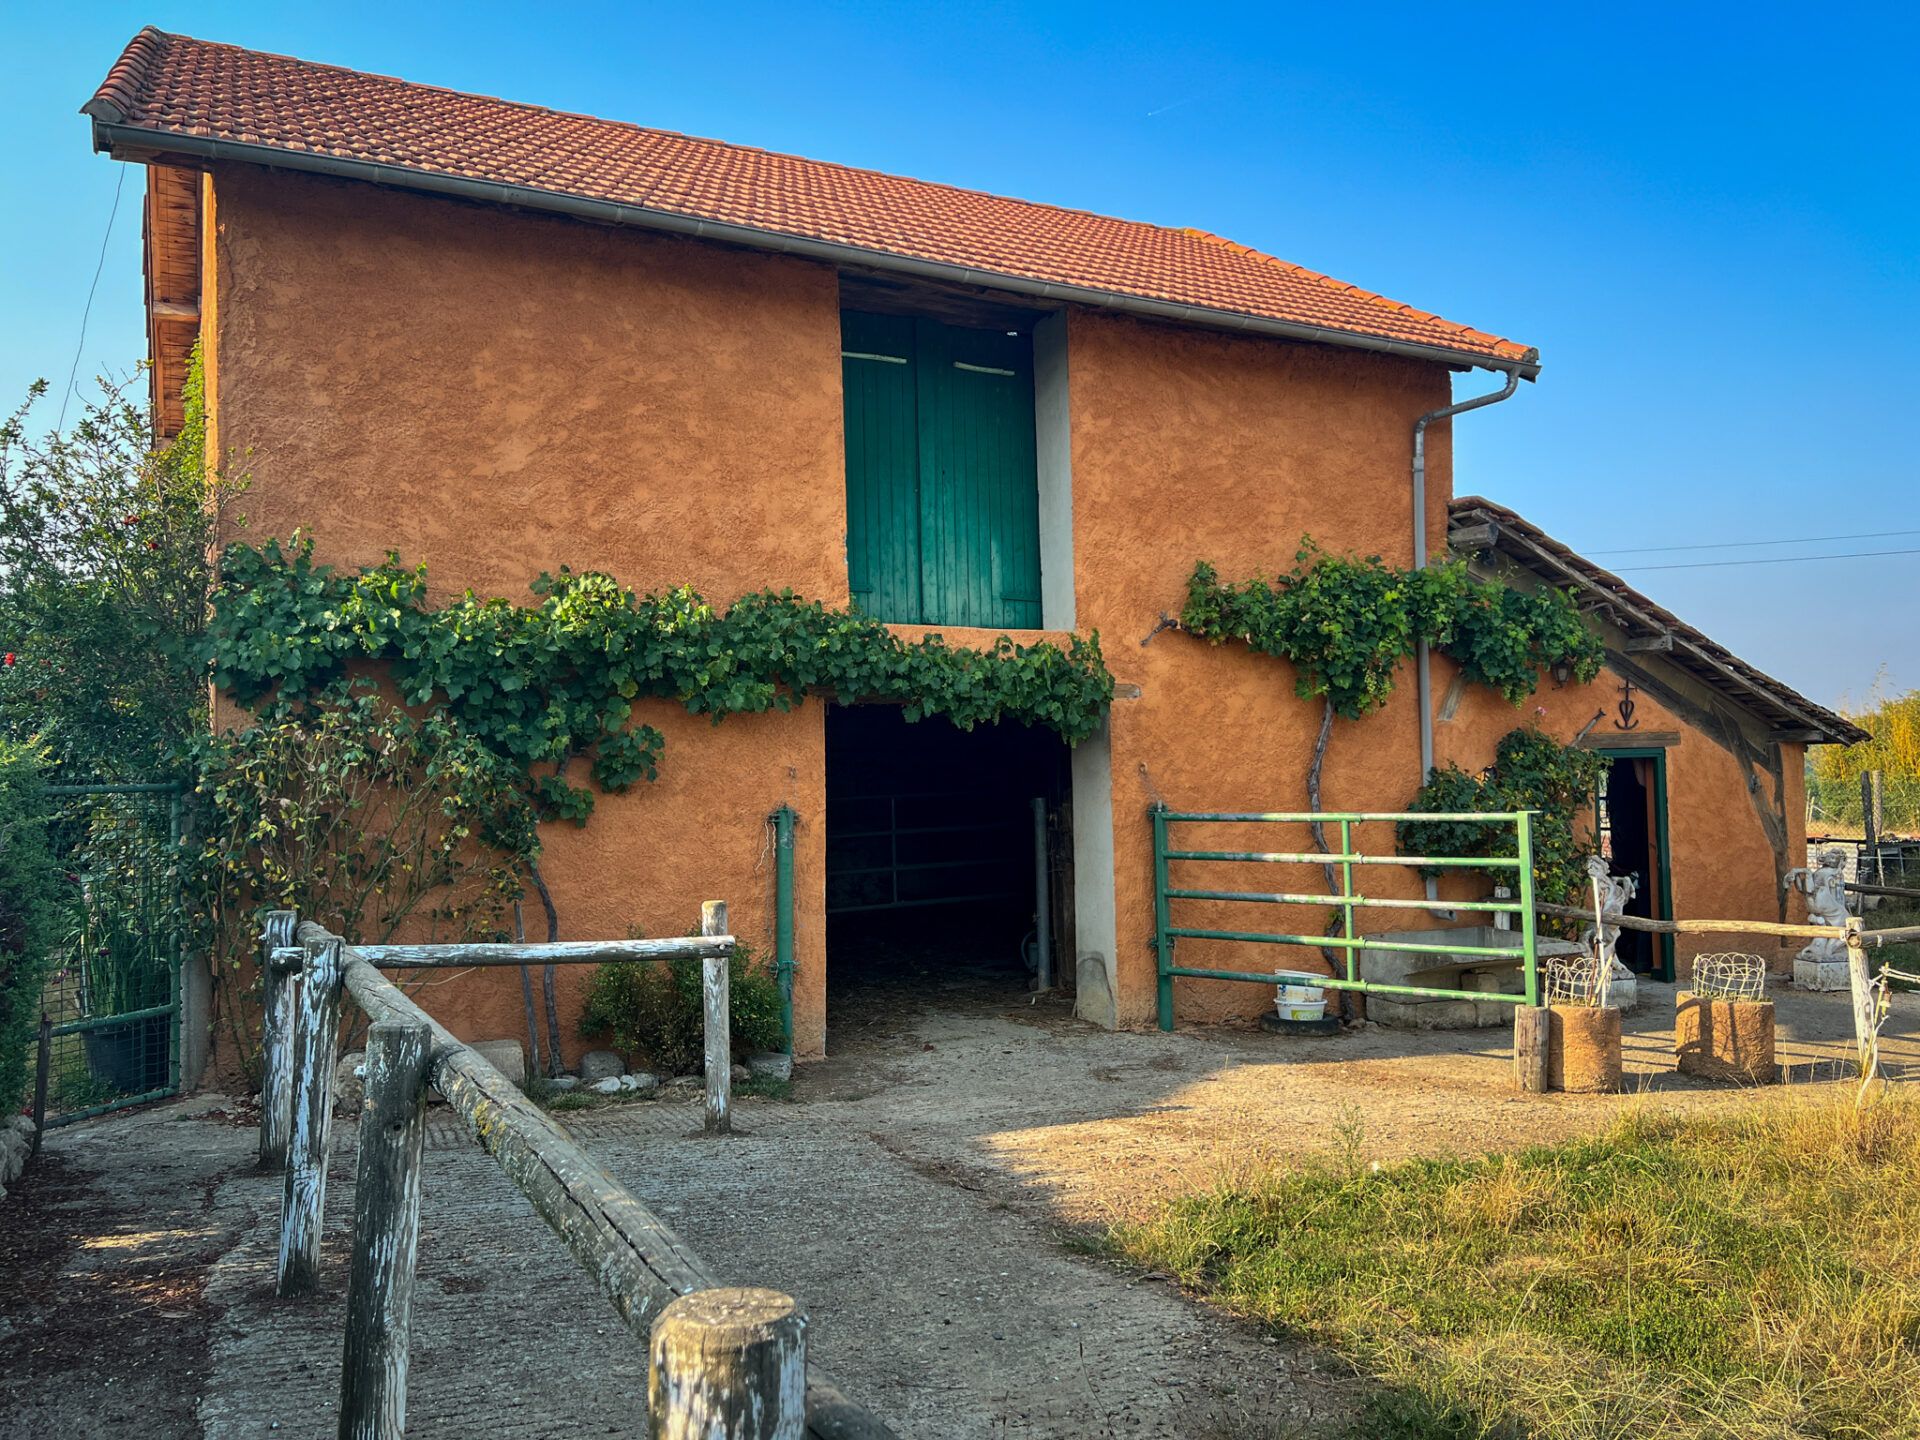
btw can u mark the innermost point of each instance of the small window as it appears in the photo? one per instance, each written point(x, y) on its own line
point(943, 521)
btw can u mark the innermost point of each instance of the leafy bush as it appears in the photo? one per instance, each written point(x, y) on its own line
point(1530, 771)
point(105, 571)
point(33, 909)
point(364, 817)
point(656, 1010)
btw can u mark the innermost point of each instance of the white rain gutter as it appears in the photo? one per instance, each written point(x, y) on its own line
point(1423, 671)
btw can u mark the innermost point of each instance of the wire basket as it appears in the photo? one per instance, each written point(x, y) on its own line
point(1570, 980)
point(1731, 976)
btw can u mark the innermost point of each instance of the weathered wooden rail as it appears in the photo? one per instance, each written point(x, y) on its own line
point(724, 1363)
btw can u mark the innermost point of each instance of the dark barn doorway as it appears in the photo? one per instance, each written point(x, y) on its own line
point(1632, 825)
point(934, 856)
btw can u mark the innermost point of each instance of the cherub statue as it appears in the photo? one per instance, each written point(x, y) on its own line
point(1825, 887)
point(1603, 937)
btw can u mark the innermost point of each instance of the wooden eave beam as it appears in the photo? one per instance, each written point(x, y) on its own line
point(1532, 551)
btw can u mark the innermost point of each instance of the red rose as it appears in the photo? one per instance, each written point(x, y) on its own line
point(9, 659)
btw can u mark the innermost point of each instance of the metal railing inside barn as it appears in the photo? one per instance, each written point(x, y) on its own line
point(723, 1362)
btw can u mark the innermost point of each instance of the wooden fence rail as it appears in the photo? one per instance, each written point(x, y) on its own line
point(709, 1384)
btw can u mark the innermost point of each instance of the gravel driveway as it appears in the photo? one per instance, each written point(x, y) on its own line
point(922, 1194)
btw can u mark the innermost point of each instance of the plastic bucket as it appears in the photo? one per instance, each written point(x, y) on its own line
point(1296, 997)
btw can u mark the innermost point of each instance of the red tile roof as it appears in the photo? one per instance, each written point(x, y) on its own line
point(169, 91)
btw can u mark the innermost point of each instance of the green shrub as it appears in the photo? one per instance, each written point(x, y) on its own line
point(655, 1011)
point(33, 904)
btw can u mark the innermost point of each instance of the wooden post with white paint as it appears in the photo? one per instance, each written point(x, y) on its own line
point(716, 990)
point(304, 1199)
point(386, 1232)
point(1866, 1027)
point(728, 1365)
point(279, 994)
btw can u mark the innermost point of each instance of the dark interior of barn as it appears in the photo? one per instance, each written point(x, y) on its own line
point(931, 851)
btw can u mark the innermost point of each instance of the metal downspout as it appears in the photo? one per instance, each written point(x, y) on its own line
point(1423, 674)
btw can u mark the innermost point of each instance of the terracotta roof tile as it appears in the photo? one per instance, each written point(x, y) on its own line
point(172, 85)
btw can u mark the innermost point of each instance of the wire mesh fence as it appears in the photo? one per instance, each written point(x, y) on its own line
point(113, 990)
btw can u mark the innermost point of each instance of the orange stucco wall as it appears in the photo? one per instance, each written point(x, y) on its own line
point(1191, 445)
point(1721, 864)
point(499, 394)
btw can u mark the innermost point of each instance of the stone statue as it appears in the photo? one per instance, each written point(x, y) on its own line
point(1603, 937)
point(1825, 887)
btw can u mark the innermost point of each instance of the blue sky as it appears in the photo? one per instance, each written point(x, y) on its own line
point(1704, 216)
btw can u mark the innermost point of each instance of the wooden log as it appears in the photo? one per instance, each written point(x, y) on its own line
point(1866, 1024)
point(559, 952)
point(1532, 1031)
point(1893, 892)
point(281, 992)
point(728, 1365)
point(386, 1232)
point(1691, 927)
point(716, 992)
point(635, 1259)
point(304, 1198)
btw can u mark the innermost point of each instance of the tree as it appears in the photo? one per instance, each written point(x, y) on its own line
point(106, 549)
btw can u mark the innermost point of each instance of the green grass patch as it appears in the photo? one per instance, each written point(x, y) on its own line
point(1754, 1275)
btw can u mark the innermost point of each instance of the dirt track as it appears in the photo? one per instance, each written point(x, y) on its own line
point(915, 1194)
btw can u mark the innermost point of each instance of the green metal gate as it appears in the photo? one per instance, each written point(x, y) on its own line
point(111, 1003)
point(1345, 860)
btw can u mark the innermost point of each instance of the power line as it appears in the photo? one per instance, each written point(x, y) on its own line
point(87, 314)
point(1771, 560)
point(1745, 544)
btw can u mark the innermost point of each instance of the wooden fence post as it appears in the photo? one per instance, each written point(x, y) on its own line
point(1532, 1037)
point(304, 1200)
point(279, 995)
point(1866, 1026)
point(386, 1232)
point(728, 1365)
point(716, 988)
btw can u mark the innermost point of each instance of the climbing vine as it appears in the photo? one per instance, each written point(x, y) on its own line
point(1347, 623)
point(1530, 771)
point(554, 682)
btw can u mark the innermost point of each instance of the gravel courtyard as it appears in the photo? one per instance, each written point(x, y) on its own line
point(921, 1193)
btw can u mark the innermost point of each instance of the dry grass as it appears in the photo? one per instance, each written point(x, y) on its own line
point(1754, 1275)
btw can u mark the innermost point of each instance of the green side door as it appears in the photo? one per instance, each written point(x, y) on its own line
point(943, 523)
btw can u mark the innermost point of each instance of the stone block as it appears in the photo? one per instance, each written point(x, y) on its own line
point(1820, 975)
point(771, 1065)
point(509, 1057)
point(598, 1065)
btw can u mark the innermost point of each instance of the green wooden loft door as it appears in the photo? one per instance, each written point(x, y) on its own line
point(943, 521)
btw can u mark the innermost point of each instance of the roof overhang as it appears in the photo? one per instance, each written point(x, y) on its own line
point(113, 136)
point(1480, 527)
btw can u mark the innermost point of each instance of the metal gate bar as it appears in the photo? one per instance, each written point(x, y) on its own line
point(82, 1000)
point(1166, 933)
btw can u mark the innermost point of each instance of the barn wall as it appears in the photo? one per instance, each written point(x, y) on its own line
point(500, 394)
